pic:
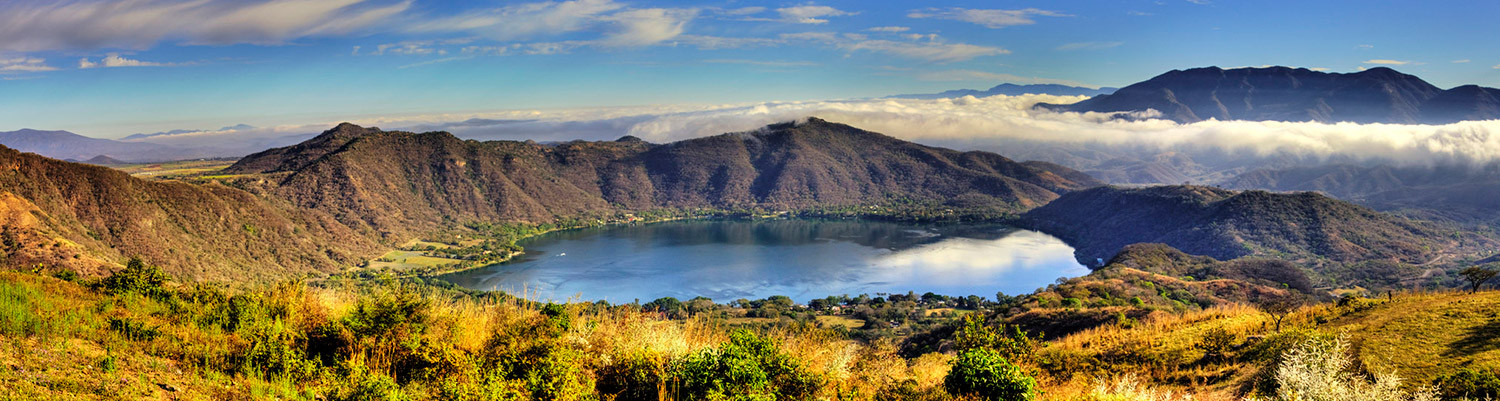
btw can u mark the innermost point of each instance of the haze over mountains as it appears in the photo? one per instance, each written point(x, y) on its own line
point(1376, 95)
point(1010, 89)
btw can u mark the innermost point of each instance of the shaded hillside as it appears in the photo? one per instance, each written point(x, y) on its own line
point(1458, 193)
point(89, 219)
point(1376, 95)
point(397, 181)
point(1226, 224)
point(1010, 89)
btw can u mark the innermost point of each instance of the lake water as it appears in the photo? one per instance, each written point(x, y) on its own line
point(803, 259)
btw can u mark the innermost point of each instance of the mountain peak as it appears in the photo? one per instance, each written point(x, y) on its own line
point(1279, 93)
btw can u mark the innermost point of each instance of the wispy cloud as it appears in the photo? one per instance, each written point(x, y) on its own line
point(19, 65)
point(115, 60)
point(140, 24)
point(618, 25)
point(1089, 46)
point(930, 51)
point(1365, 47)
point(989, 18)
point(763, 63)
point(434, 61)
point(972, 75)
point(1381, 61)
point(810, 14)
point(1497, 66)
point(1461, 61)
point(889, 29)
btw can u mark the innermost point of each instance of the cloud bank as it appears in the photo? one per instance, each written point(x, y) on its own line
point(989, 123)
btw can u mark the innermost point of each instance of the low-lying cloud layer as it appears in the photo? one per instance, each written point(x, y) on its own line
point(979, 123)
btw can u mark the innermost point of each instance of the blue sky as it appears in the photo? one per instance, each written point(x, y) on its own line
point(111, 68)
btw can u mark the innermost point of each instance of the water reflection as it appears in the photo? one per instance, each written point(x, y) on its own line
point(804, 259)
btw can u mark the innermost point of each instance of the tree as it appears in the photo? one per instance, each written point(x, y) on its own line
point(1279, 306)
point(1477, 276)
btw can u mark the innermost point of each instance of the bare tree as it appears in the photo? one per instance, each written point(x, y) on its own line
point(1477, 276)
point(1279, 306)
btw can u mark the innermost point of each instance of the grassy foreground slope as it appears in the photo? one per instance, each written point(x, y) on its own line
point(141, 338)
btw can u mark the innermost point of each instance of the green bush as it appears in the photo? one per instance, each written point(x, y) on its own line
point(1215, 344)
point(137, 277)
point(984, 373)
point(1470, 383)
point(748, 367)
point(363, 385)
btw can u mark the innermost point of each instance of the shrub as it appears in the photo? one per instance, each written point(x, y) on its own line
point(133, 330)
point(1008, 340)
point(1318, 370)
point(361, 384)
point(137, 277)
point(984, 373)
point(1127, 388)
point(748, 367)
point(1215, 344)
point(637, 376)
point(1469, 383)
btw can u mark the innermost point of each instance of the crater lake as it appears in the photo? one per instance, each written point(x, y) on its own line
point(733, 259)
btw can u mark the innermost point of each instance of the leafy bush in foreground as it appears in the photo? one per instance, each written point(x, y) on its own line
point(983, 372)
point(748, 367)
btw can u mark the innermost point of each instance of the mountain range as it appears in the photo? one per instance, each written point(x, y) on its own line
point(362, 175)
point(1376, 95)
point(1013, 90)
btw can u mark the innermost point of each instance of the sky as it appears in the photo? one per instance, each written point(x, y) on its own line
point(113, 68)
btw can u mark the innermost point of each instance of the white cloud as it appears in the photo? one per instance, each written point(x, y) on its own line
point(1089, 46)
point(989, 18)
point(1365, 47)
point(1497, 66)
point(889, 29)
point(1387, 62)
point(19, 65)
point(646, 26)
point(1461, 61)
point(990, 122)
point(115, 60)
point(972, 75)
point(140, 24)
point(810, 14)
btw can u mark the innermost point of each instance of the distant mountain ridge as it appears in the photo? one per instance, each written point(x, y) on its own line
point(1013, 90)
point(71, 146)
point(391, 181)
point(1376, 95)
